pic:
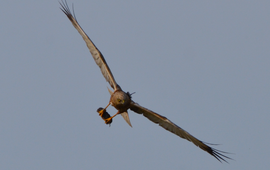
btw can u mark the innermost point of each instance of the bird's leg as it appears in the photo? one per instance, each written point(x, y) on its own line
point(110, 118)
point(104, 114)
point(101, 111)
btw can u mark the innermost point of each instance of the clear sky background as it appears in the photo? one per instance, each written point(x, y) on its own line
point(205, 65)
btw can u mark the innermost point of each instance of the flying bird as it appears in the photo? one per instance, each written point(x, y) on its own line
point(122, 100)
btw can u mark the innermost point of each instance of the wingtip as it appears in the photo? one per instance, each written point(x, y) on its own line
point(220, 155)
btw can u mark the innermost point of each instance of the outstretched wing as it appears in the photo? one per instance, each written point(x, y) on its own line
point(98, 57)
point(170, 126)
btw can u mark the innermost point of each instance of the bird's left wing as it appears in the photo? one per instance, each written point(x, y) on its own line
point(98, 57)
point(170, 126)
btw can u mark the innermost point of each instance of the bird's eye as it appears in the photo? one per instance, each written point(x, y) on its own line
point(120, 101)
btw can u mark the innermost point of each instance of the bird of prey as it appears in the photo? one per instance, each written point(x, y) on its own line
point(122, 100)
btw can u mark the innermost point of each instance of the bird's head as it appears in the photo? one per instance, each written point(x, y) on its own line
point(120, 99)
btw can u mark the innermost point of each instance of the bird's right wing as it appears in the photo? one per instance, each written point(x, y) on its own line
point(170, 126)
point(98, 57)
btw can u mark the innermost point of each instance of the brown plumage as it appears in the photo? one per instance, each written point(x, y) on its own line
point(122, 101)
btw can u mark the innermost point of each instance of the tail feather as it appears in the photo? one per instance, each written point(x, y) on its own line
point(126, 117)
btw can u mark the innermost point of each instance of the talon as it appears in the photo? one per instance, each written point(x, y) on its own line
point(108, 120)
point(101, 111)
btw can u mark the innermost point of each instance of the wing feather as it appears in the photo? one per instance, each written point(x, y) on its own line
point(170, 126)
point(97, 55)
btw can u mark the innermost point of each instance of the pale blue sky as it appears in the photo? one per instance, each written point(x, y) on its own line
point(202, 64)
